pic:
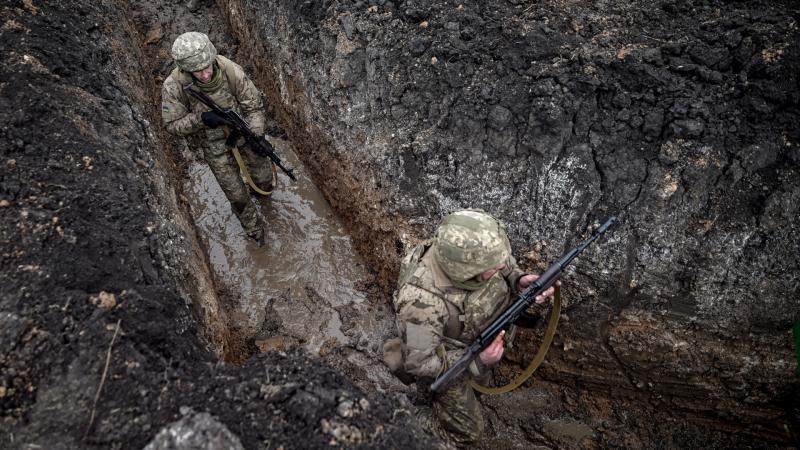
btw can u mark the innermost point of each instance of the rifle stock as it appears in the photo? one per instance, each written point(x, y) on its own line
point(239, 127)
point(513, 312)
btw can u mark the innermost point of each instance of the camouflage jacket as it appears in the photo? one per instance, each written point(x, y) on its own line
point(436, 319)
point(181, 112)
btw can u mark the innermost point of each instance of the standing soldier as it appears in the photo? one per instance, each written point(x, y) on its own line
point(448, 291)
point(226, 83)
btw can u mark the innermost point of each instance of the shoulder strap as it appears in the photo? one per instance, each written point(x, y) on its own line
point(228, 67)
point(410, 263)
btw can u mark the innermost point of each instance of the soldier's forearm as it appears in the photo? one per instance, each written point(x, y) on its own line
point(256, 120)
point(186, 125)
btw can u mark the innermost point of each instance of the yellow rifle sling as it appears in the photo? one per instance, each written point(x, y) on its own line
point(537, 360)
point(246, 173)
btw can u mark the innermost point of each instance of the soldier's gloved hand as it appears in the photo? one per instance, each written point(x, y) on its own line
point(213, 120)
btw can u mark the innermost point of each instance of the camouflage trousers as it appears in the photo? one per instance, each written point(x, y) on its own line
point(226, 171)
point(455, 416)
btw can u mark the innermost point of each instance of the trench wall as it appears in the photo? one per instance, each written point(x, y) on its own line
point(109, 322)
point(678, 117)
point(347, 179)
point(95, 240)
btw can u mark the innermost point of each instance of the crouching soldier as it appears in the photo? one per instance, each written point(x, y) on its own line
point(449, 289)
point(226, 84)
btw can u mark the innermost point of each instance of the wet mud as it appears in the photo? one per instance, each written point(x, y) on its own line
point(306, 286)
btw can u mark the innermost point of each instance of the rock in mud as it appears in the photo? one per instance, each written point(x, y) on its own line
point(193, 431)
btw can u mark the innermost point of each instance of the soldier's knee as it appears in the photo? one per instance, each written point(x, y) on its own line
point(463, 429)
point(263, 176)
point(468, 434)
point(234, 189)
point(236, 194)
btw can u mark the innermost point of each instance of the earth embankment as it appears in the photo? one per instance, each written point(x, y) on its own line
point(111, 327)
point(680, 117)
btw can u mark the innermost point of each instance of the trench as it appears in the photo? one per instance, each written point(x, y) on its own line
point(297, 263)
point(99, 200)
point(307, 286)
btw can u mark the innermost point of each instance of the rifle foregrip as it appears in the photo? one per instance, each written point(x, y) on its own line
point(549, 277)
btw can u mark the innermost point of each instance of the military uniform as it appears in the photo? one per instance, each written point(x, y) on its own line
point(231, 89)
point(442, 305)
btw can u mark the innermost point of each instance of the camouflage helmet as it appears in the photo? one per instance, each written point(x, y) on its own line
point(193, 51)
point(469, 242)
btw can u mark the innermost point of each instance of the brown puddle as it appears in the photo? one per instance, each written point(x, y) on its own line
point(304, 283)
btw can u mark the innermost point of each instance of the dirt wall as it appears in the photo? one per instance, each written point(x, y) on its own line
point(677, 116)
point(107, 315)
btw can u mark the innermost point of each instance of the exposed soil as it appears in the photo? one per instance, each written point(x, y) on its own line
point(103, 310)
point(680, 115)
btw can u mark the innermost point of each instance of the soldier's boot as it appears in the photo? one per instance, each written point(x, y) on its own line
point(248, 216)
point(252, 224)
point(258, 235)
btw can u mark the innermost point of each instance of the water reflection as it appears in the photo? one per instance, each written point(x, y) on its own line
point(306, 271)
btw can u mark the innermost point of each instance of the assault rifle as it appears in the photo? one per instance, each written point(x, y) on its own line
point(513, 312)
point(239, 128)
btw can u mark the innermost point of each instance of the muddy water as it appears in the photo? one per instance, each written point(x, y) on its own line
point(299, 287)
